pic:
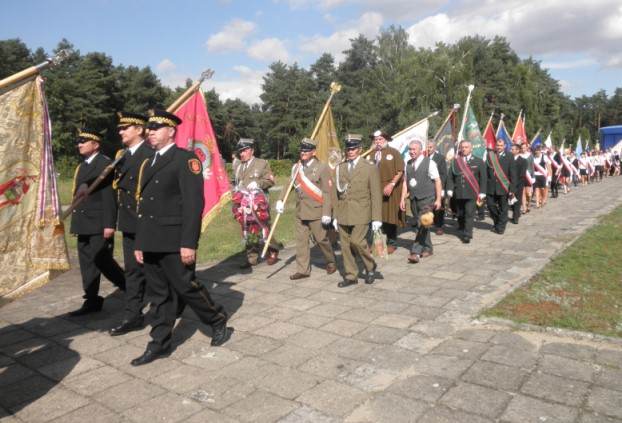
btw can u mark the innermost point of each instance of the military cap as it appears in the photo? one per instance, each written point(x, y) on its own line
point(85, 134)
point(127, 119)
point(380, 133)
point(245, 143)
point(161, 118)
point(353, 141)
point(307, 144)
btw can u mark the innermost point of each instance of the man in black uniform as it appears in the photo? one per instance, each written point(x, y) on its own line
point(170, 203)
point(441, 165)
point(501, 185)
point(93, 221)
point(132, 130)
point(466, 180)
point(521, 169)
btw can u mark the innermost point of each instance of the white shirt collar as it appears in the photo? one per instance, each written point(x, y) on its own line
point(418, 161)
point(91, 157)
point(135, 147)
point(355, 161)
point(165, 149)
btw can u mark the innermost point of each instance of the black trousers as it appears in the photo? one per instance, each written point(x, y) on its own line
point(498, 209)
point(95, 257)
point(390, 230)
point(555, 186)
point(169, 279)
point(439, 217)
point(423, 240)
point(516, 206)
point(465, 209)
point(134, 280)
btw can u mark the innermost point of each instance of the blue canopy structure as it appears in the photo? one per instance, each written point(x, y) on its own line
point(610, 136)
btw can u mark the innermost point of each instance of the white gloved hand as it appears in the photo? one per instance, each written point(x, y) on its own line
point(326, 220)
point(252, 186)
point(442, 193)
point(376, 225)
point(335, 224)
point(450, 193)
point(279, 206)
point(482, 196)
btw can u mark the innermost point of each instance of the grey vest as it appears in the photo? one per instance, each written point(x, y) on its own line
point(425, 185)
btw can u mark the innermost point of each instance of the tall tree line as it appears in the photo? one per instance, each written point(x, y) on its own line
point(387, 83)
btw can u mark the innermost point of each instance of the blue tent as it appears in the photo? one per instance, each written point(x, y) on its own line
point(610, 136)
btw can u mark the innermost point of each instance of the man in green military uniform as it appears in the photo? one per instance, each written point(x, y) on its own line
point(466, 182)
point(250, 174)
point(170, 204)
point(313, 183)
point(390, 166)
point(94, 221)
point(359, 202)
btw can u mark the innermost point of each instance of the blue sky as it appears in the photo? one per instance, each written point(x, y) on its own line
point(580, 42)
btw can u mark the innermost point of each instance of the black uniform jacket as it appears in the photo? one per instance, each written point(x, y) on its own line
point(170, 203)
point(441, 164)
point(126, 181)
point(521, 169)
point(99, 209)
point(508, 165)
point(457, 183)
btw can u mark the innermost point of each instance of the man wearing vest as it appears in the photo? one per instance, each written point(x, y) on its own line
point(466, 182)
point(94, 221)
point(390, 168)
point(313, 183)
point(422, 185)
point(501, 186)
point(359, 201)
point(253, 173)
point(441, 165)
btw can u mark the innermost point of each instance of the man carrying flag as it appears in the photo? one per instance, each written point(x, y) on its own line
point(501, 185)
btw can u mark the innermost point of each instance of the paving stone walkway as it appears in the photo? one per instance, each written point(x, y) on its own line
point(406, 349)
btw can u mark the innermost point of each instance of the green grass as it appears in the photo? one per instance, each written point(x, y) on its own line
point(221, 239)
point(581, 289)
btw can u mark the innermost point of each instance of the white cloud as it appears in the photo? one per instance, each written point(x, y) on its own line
point(232, 37)
point(246, 86)
point(166, 65)
point(268, 50)
point(570, 64)
point(368, 24)
point(169, 75)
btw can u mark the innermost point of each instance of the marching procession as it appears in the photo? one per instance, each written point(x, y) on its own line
point(155, 199)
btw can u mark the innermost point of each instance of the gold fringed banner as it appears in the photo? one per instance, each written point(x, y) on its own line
point(31, 240)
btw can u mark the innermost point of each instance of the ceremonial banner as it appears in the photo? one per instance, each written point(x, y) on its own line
point(520, 135)
point(489, 136)
point(328, 149)
point(579, 148)
point(472, 133)
point(419, 131)
point(502, 133)
point(32, 240)
point(445, 138)
point(537, 140)
point(548, 142)
point(196, 134)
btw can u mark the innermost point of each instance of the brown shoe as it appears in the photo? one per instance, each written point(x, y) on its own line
point(426, 254)
point(391, 249)
point(413, 258)
point(273, 257)
point(331, 268)
point(440, 231)
point(297, 276)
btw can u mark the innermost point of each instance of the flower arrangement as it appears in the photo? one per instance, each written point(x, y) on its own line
point(251, 210)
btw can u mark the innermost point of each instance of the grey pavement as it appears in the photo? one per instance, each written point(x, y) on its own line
point(408, 348)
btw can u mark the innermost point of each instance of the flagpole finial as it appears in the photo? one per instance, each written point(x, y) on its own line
point(60, 57)
point(471, 87)
point(502, 116)
point(206, 74)
point(456, 106)
point(335, 87)
point(435, 113)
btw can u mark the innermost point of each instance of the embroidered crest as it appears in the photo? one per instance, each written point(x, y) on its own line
point(389, 157)
point(195, 166)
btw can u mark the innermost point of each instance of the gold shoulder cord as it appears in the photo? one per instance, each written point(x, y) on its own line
point(139, 183)
point(115, 181)
point(75, 178)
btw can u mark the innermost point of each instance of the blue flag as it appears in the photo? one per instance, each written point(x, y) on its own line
point(537, 140)
point(579, 148)
point(502, 134)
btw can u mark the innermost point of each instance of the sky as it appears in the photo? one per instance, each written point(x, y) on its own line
point(580, 41)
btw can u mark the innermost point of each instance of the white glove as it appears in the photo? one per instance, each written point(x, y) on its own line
point(442, 193)
point(482, 196)
point(252, 186)
point(335, 224)
point(326, 220)
point(279, 206)
point(376, 225)
point(450, 193)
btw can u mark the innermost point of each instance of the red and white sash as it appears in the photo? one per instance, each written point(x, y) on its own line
point(530, 179)
point(539, 168)
point(307, 186)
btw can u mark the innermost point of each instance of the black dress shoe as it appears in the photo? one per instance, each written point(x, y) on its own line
point(466, 240)
point(89, 306)
point(127, 326)
point(297, 276)
point(347, 282)
point(370, 277)
point(220, 334)
point(515, 220)
point(149, 356)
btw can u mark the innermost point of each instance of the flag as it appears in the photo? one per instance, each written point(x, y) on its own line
point(536, 141)
point(401, 139)
point(33, 237)
point(587, 146)
point(519, 136)
point(502, 133)
point(579, 148)
point(196, 134)
point(549, 142)
point(472, 133)
point(328, 149)
point(489, 135)
point(444, 139)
